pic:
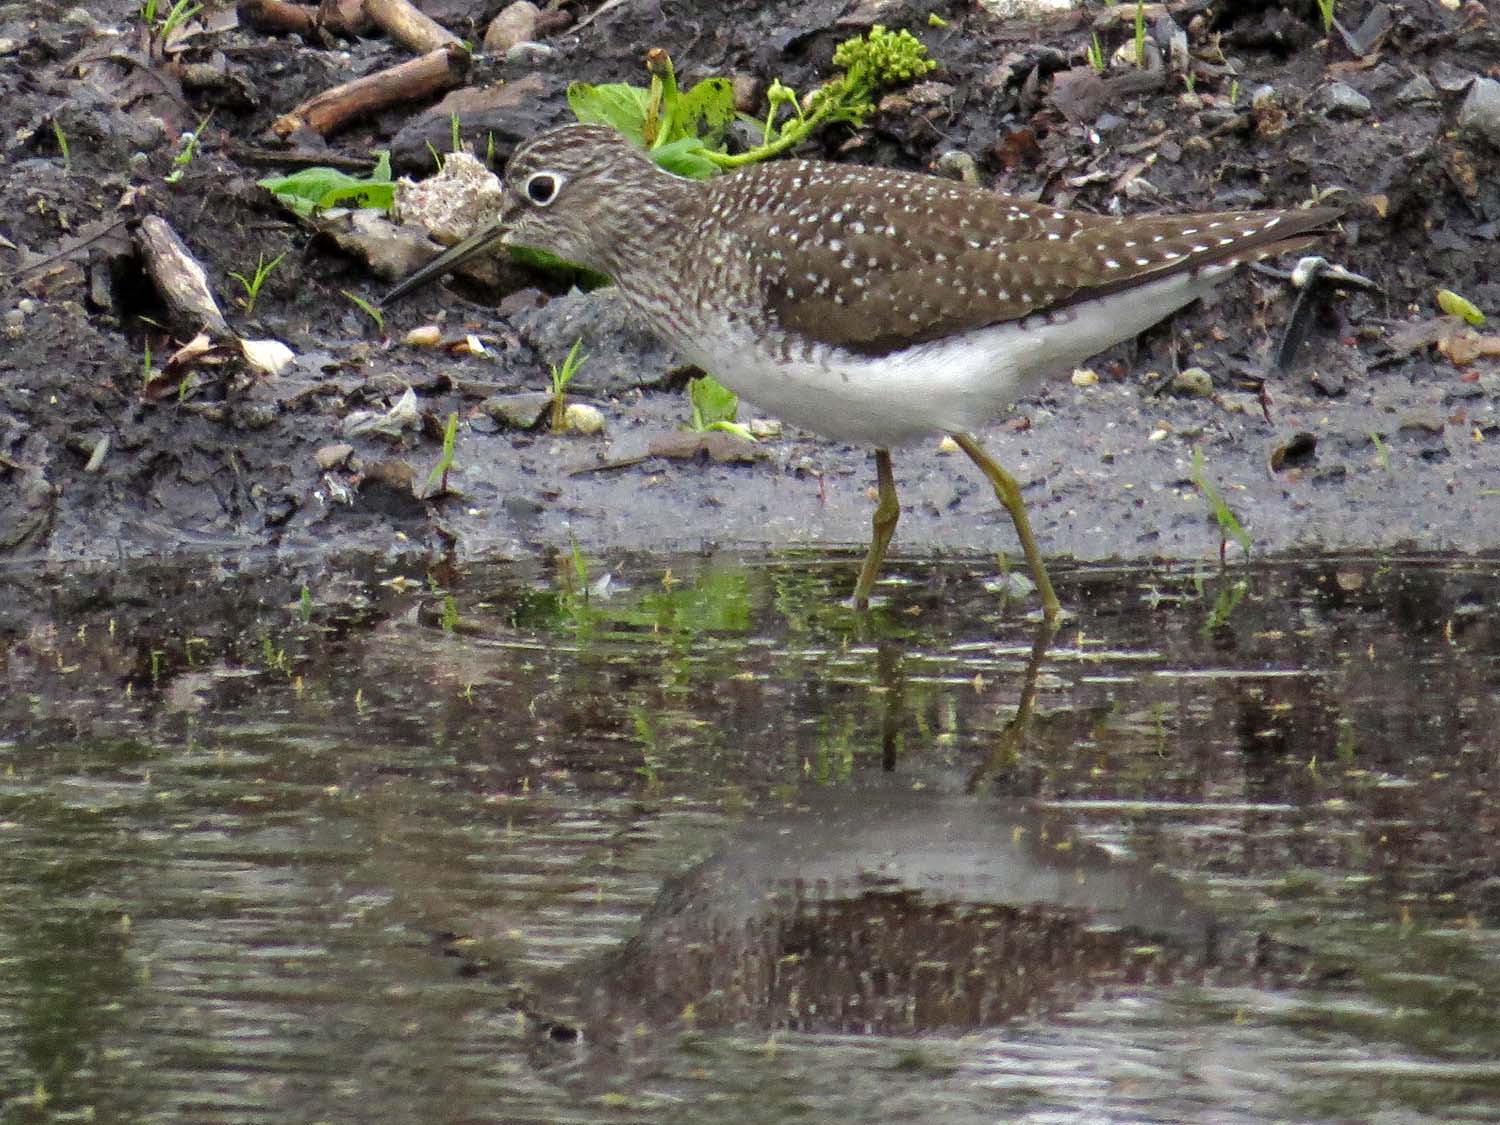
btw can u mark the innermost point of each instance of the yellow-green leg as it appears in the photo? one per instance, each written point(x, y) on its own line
point(1009, 494)
point(887, 512)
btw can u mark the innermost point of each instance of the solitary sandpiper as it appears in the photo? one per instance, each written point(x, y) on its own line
point(868, 305)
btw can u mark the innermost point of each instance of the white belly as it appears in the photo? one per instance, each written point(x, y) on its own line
point(951, 385)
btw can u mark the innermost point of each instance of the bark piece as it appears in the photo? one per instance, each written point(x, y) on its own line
point(421, 77)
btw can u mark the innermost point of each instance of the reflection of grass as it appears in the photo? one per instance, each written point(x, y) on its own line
point(1229, 595)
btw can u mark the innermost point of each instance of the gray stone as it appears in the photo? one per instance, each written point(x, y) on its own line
point(515, 24)
point(1419, 89)
point(1339, 99)
point(1479, 116)
point(619, 351)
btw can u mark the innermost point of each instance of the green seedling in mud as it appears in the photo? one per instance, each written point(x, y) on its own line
point(305, 606)
point(1096, 54)
point(1461, 307)
point(1382, 453)
point(315, 189)
point(1325, 10)
point(62, 145)
point(1140, 34)
point(371, 311)
point(439, 474)
point(456, 140)
point(263, 270)
point(936, 21)
point(437, 157)
point(684, 132)
point(181, 161)
point(1234, 90)
point(177, 15)
point(1229, 524)
point(715, 407)
point(561, 377)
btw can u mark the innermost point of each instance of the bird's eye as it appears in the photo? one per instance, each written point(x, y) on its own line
point(541, 188)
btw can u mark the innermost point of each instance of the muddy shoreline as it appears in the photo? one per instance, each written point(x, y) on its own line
point(1376, 441)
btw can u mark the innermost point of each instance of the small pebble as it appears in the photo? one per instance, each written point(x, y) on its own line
point(1339, 99)
point(333, 455)
point(1193, 382)
point(581, 418)
point(1420, 89)
point(1083, 377)
point(765, 429)
point(424, 336)
point(515, 24)
point(530, 54)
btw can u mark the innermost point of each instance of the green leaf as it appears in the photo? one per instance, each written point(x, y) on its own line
point(711, 102)
point(713, 403)
point(615, 104)
point(314, 189)
point(1454, 305)
point(685, 158)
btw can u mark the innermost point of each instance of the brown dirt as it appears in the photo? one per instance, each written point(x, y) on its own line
point(1402, 440)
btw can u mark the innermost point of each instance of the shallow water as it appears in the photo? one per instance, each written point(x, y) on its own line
point(677, 837)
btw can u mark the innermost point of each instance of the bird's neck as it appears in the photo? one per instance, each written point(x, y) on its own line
point(649, 226)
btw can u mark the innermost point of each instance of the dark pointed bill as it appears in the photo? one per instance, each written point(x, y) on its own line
point(450, 259)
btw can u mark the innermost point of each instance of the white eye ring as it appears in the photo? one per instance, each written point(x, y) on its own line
point(541, 187)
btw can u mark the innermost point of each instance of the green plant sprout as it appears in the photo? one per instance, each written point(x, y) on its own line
point(305, 605)
point(1095, 53)
point(371, 311)
point(561, 377)
point(1325, 9)
point(456, 143)
point(445, 462)
point(684, 132)
point(1229, 524)
point(62, 145)
point(715, 407)
point(181, 161)
point(1140, 34)
point(316, 189)
point(263, 270)
point(1382, 453)
point(177, 15)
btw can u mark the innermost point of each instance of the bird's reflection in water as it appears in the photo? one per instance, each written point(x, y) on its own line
point(889, 907)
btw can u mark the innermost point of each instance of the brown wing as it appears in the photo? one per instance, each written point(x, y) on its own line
point(871, 260)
